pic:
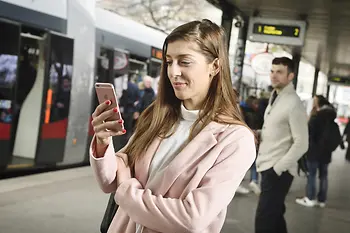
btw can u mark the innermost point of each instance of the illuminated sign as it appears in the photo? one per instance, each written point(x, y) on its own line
point(339, 80)
point(288, 32)
point(276, 30)
point(156, 53)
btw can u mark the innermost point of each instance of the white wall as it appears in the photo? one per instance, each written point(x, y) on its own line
point(343, 95)
point(56, 8)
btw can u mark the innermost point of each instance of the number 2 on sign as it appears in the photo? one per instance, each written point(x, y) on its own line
point(296, 31)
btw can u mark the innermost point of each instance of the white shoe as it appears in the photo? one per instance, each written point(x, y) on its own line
point(255, 187)
point(321, 204)
point(306, 202)
point(242, 190)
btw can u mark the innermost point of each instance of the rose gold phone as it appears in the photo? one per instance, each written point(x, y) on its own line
point(105, 91)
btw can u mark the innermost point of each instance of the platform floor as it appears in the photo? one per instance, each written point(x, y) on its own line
point(69, 201)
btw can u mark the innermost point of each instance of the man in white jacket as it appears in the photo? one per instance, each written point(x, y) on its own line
point(284, 139)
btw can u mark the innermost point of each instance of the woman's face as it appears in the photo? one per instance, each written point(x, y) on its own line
point(189, 73)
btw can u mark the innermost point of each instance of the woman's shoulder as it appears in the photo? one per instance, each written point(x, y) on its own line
point(234, 132)
point(236, 138)
point(239, 130)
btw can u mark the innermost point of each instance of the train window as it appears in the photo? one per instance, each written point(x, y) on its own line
point(8, 68)
point(59, 91)
point(60, 79)
point(113, 67)
point(9, 50)
point(154, 67)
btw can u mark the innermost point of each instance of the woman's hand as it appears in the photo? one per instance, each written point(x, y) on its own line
point(105, 129)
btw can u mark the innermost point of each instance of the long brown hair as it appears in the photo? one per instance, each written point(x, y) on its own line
point(162, 117)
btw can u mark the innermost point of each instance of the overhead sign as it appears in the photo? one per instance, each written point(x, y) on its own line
point(287, 32)
point(156, 53)
point(339, 80)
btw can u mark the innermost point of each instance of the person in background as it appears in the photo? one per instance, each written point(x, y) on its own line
point(284, 140)
point(129, 101)
point(147, 97)
point(319, 155)
point(249, 109)
point(191, 147)
point(63, 99)
point(254, 120)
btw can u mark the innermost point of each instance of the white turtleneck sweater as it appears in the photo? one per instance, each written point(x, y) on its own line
point(170, 147)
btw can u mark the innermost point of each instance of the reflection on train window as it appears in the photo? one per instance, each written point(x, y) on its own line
point(8, 69)
point(5, 111)
point(59, 92)
point(5, 116)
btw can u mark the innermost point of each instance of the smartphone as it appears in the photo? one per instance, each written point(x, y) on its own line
point(106, 91)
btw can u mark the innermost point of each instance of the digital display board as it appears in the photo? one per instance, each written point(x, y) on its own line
point(156, 53)
point(276, 30)
point(286, 32)
point(339, 80)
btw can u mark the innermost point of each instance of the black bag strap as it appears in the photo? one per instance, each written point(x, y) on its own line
point(110, 211)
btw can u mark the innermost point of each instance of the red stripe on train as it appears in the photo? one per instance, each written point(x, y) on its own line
point(56, 129)
point(5, 131)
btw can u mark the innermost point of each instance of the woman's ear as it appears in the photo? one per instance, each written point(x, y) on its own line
point(215, 67)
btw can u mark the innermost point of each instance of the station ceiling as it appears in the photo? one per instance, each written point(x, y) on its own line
point(328, 32)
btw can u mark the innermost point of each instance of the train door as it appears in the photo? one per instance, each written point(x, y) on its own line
point(9, 56)
point(112, 66)
point(29, 89)
point(103, 73)
point(35, 77)
point(57, 70)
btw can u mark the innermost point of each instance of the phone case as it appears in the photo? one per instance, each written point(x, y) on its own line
point(105, 91)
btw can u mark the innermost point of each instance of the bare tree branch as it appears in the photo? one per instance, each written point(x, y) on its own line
point(162, 14)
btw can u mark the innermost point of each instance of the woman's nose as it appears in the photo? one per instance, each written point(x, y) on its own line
point(174, 70)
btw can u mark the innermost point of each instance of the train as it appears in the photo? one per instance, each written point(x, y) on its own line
point(51, 54)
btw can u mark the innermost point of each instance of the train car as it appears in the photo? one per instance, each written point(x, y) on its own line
point(41, 124)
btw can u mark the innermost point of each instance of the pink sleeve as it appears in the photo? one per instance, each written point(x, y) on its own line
point(105, 168)
point(201, 206)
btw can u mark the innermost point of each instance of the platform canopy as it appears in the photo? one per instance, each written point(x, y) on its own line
point(327, 40)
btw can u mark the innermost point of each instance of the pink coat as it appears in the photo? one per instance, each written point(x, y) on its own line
point(195, 190)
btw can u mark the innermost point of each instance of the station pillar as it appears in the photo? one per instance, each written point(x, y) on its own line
point(81, 27)
point(296, 53)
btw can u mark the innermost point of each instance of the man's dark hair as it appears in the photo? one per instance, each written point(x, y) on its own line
point(250, 100)
point(284, 61)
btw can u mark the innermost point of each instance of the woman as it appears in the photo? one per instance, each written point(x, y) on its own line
point(190, 149)
point(323, 131)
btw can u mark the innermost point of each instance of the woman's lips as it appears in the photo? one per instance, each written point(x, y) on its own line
point(179, 84)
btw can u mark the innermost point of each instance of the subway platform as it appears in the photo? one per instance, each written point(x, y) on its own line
point(70, 201)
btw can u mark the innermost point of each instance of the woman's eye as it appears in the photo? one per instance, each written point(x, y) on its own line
point(169, 62)
point(185, 63)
